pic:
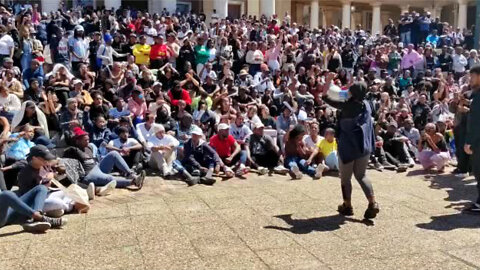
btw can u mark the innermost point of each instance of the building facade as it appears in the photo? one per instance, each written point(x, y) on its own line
point(371, 14)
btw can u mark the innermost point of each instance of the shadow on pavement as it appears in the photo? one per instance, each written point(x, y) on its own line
point(319, 224)
point(460, 192)
point(11, 233)
point(452, 222)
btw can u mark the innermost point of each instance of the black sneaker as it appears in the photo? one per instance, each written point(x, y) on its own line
point(191, 181)
point(209, 181)
point(473, 208)
point(36, 227)
point(139, 179)
point(372, 211)
point(345, 210)
point(402, 168)
point(55, 222)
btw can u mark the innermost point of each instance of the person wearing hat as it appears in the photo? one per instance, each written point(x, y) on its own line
point(163, 154)
point(244, 79)
point(229, 151)
point(199, 158)
point(99, 172)
point(355, 145)
point(78, 48)
point(106, 52)
point(263, 153)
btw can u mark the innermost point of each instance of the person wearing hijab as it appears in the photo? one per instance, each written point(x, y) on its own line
point(30, 114)
point(356, 141)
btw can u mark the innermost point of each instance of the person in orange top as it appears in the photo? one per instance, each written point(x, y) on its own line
point(159, 53)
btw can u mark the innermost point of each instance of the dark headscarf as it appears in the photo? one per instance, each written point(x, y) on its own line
point(358, 91)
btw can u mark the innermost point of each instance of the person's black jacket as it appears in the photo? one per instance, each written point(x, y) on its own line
point(473, 123)
point(199, 156)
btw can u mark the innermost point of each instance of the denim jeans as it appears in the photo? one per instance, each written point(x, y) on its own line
point(332, 161)
point(300, 163)
point(405, 37)
point(100, 176)
point(242, 157)
point(14, 209)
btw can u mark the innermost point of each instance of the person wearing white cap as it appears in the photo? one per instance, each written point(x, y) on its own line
point(200, 159)
point(78, 48)
point(229, 151)
point(263, 152)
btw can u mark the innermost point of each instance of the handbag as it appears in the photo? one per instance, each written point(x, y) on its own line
point(76, 193)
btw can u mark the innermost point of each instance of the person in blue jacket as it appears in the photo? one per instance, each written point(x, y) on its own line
point(356, 141)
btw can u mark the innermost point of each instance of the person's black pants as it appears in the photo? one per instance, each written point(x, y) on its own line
point(397, 150)
point(134, 158)
point(269, 160)
point(475, 158)
point(10, 176)
point(463, 160)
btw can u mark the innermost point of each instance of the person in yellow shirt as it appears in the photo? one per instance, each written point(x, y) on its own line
point(327, 150)
point(141, 52)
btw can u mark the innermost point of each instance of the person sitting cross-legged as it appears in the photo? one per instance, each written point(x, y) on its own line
point(129, 148)
point(163, 155)
point(229, 151)
point(327, 149)
point(99, 172)
point(200, 159)
point(296, 155)
point(264, 154)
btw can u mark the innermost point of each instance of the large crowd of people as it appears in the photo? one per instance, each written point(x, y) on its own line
point(91, 99)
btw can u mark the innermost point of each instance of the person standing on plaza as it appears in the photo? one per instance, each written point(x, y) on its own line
point(472, 140)
point(356, 141)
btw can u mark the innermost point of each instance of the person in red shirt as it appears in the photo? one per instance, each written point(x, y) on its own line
point(229, 150)
point(159, 53)
point(178, 93)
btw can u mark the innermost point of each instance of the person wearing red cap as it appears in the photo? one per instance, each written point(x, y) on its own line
point(99, 172)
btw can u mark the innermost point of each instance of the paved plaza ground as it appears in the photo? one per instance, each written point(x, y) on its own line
point(262, 223)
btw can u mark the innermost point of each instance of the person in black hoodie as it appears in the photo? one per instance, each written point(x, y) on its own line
point(356, 142)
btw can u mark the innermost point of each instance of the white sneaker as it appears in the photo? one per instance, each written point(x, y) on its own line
point(262, 170)
point(280, 169)
point(296, 173)
point(91, 191)
point(107, 189)
point(319, 171)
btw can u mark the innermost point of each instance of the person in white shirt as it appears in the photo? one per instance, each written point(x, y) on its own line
point(163, 147)
point(129, 148)
point(254, 58)
point(144, 130)
point(459, 63)
point(9, 103)
point(150, 33)
point(239, 131)
point(6, 44)
point(262, 80)
point(106, 52)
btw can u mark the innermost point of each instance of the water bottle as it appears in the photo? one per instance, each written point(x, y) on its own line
point(335, 93)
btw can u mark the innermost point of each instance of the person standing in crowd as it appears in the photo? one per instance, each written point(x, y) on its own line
point(472, 138)
point(356, 142)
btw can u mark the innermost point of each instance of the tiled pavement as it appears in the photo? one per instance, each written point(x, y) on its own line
point(261, 223)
